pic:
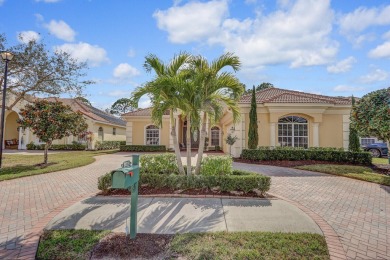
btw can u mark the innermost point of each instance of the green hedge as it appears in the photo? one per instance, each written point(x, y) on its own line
point(296, 154)
point(239, 181)
point(143, 148)
point(217, 165)
point(109, 145)
point(159, 163)
point(69, 147)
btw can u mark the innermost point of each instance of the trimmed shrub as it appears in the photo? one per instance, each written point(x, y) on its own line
point(245, 183)
point(159, 163)
point(109, 145)
point(296, 154)
point(67, 147)
point(143, 148)
point(217, 165)
point(104, 182)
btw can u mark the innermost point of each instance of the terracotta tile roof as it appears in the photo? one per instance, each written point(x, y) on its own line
point(142, 112)
point(277, 95)
point(89, 111)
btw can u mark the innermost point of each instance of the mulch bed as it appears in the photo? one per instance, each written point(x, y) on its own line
point(158, 191)
point(144, 246)
point(378, 168)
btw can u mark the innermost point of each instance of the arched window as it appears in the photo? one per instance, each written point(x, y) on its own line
point(101, 134)
point(292, 131)
point(152, 135)
point(215, 134)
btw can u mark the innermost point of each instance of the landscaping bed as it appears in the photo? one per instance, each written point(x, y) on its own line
point(83, 244)
point(191, 192)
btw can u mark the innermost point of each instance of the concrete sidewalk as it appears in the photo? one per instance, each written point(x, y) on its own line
point(180, 215)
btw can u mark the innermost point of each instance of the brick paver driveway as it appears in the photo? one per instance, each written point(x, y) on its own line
point(25, 202)
point(358, 211)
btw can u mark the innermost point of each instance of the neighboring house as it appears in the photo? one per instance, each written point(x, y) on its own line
point(285, 118)
point(104, 127)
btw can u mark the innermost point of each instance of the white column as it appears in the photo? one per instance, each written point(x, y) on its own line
point(316, 136)
point(272, 137)
point(129, 133)
point(346, 122)
point(241, 134)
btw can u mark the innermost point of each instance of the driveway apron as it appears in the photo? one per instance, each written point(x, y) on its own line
point(358, 211)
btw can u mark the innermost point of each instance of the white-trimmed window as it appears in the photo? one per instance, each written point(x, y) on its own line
point(364, 141)
point(215, 135)
point(292, 131)
point(101, 134)
point(152, 135)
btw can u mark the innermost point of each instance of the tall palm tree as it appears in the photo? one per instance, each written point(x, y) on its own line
point(216, 90)
point(165, 92)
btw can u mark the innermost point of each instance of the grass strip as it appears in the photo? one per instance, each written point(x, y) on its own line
point(79, 244)
point(355, 172)
point(21, 165)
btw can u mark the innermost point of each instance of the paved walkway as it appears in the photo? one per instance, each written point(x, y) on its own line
point(358, 211)
point(160, 215)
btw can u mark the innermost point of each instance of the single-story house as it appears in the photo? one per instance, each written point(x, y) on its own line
point(285, 118)
point(102, 126)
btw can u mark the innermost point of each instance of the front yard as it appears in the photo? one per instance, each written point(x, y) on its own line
point(355, 172)
point(17, 165)
point(84, 244)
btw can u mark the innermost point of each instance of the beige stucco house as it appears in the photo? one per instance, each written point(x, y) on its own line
point(104, 127)
point(285, 118)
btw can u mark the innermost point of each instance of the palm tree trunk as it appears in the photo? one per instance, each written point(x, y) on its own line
point(176, 144)
point(201, 145)
point(189, 168)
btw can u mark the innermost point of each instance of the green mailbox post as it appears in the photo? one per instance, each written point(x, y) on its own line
point(127, 177)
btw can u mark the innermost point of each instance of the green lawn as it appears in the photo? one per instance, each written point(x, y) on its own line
point(68, 244)
point(356, 172)
point(380, 160)
point(77, 244)
point(17, 165)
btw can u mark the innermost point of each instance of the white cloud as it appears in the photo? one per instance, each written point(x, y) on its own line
point(85, 52)
point(131, 53)
point(386, 35)
point(119, 93)
point(381, 51)
point(363, 17)
point(344, 88)
point(192, 21)
point(298, 35)
point(125, 71)
point(342, 66)
point(144, 103)
point(61, 30)
point(27, 36)
point(374, 76)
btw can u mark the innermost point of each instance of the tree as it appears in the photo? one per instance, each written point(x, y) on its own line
point(36, 70)
point(371, 115)
point(84, 100)
point(214, 90)
point(354, 142)
point(51, 121)
point(262, 86)
point(165, 92)
point(253, 136)
point(122, 106)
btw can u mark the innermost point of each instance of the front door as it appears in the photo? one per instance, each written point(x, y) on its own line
point(194, 136)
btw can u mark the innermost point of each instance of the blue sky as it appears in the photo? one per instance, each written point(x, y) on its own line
point(335, 48)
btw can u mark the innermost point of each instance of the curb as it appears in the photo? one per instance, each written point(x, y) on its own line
point(335, 248)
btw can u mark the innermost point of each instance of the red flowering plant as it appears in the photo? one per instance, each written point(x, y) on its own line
point(51, 121)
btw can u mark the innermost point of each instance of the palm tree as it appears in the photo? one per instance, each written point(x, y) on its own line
point(216, 90)
point(165, 92)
